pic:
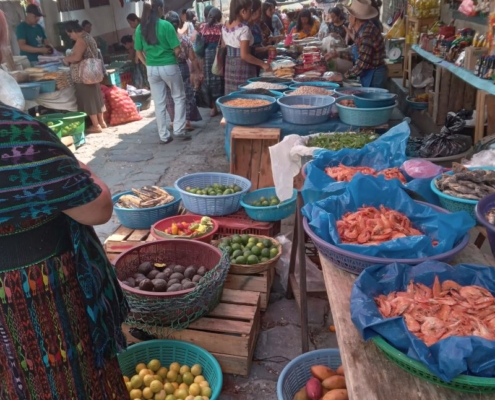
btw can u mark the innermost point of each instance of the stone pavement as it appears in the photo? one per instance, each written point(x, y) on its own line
point(131, 156)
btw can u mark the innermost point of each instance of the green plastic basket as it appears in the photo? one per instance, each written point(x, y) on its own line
point(56, 127)
point(169, 351)
point(73, 122)
point(463, 383)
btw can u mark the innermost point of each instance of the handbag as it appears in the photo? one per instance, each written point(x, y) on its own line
point(218, 67)
point(91, 70)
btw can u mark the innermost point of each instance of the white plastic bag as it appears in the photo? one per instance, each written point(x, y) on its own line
point(422, 75)
point(485, 158)
point(10, 91)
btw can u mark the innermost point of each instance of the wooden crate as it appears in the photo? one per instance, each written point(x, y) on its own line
point(250, 156)
point(229, 332)
point(124, 239)
point(261, 283)
point(394, 70)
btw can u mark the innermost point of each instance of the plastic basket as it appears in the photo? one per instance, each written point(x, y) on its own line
point(347, 91)
point(455, 204)
point(275, 93)
point(325, 85)
point(167, 223)
point(74, 122)
point(269, 213)
point(30, 91)
point(247, 116)
point(317, 114)
point(295, 374)
point(56, 127)
point(281, 89)
point(462, 383)
point(356, 263)
point(374, 99)
point(484, 205)
point(281, 81)
point(145, 217)
point(363, 116)
point(212, 205)
point(169, 351)
point(48, 86)
point(416, 105)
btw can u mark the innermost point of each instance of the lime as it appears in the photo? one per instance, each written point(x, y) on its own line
point(237, 189)
point(245, 239)
point(265, 203)
point(236, 246)
point(262, 199)
point(252, 259)
point(236, 253)
point(273, 252)
point(255, 204)
point(240, 260)
point(226, 241)
point(274, 202)
point(260, 245)
point(228, 191)
point(247, 253)
point(255, 250)
point(236, 239)
point(265, 253)
point(216, 185)
point(267, 243)
point(273, 198)
point(264, 259)
point(228, 249)
point(253, 240)
point(249, 245)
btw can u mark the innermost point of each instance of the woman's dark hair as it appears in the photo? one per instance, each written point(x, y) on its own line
point(85, 22)
point(149, 19)
point(214, 16)
point(236, 6)
point(73, 26)
point(133, 17)
point(338, 13)
point(304, 13)
point(126, 39)
point(207, 10)
point(291, 15)
point(272, 2)
point(266, 6)
point(265, 18)
point(256, 5)
point(190, 14)
point(174, 19)
point(312, 10)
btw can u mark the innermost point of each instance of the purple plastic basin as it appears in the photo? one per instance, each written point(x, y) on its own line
point(483, 206)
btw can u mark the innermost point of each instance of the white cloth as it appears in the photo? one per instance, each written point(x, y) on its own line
point(64, 100)
point(232, 37)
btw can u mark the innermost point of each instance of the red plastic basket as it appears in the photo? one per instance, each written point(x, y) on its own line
point(167, 222)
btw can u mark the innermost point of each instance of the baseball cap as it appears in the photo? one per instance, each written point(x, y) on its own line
point(34, 9)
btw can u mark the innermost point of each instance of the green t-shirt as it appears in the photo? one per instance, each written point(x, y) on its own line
point(34, 35)
point(163, 52)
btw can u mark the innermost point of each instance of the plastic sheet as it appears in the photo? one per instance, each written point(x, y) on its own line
point(421, 169)
point(446, 358)
point(447, 229)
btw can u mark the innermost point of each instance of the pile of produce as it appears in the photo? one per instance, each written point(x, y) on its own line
point(157, 382)
point(190, 230)
point(159, 277)
point(446, 309)
point(310, 90)
point(343, 173)
point(266, 202)
point(247, 103)
point(490, 216)
point(347, 103)
point(264, 85)
point(467, 184)
point(248, 250)
point(339, 141)
point(120, 107)
point(146, 197)
point(421, 98)
point(264, 92)
point(370, 226)
point(214, 190)
point(68, 129)
point(325, 384)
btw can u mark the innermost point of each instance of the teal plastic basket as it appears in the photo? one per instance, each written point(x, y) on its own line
point(363, 116)
point(324, 85)
point(269, 213)
point(455, 204)
point(247, 115)
point(169, 351)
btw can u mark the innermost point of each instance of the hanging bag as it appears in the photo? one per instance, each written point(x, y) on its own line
point(91, 70)
point(218, 67)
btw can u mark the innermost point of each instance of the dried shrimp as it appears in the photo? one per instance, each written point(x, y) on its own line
point(248, 103)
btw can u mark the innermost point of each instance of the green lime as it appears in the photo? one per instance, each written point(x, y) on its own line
point(273, 252)
point(237, 189)
point(252, 259)
point(267, 243)
point(216, 185)
point(265, 253)
point(274, 202)
point(253, 240)
point(262, 199)
point(228, 191)
point(247, 253)
point(256, 250)
point(249, 245)
point(240, 260)
point(236, 239)
point(228, 249)
point(255, 204)
point(265, 203)
point(236, 253)
point(245, 239)
point(264, 259)
point(273, 198)
point(236, 246)
point(226, 241)
point(260, 245)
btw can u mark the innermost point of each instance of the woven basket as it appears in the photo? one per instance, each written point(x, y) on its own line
point(257, 268)
point(175, 309)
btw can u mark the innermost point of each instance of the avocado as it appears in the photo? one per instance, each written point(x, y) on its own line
point(146, 285)
point(162, 275)
point(188, 285)
point(179, 268)
point(202, 271)
point(190, 272)
point(145, 268)
point(152, 274)
point(177, 275)
point(172, 282)
point(174, 288)
point(196, 278)
point(160, 285)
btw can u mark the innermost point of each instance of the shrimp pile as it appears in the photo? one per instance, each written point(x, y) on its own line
point(371, 226)
point(343, 173)
point(446, 309)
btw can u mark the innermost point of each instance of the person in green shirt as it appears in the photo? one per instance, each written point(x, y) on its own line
point(157, 46)
point(31, 36)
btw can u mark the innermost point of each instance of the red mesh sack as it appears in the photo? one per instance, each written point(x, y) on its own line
point(122, 108)
point(106, 113)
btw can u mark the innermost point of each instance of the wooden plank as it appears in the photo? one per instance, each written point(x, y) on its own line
point(490, 105)
point(470, 98)
point(369, 374)
point(120, 234)
point(479, 129)
point(454, 92)
point(459, 96)
point(252, 283)
point(138, 235)
point(266, 175)
point(472, 255)
point(222, 326)
point(245, 132)
point(239, 297)
point(240, 157)
point(443, 103)
point(233, 311)
point(254, 170)
point(436, 96)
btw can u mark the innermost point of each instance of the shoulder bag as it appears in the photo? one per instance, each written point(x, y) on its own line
point(218, 67)
point(91, 70)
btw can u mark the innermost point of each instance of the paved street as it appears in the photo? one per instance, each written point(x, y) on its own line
point(130, 156)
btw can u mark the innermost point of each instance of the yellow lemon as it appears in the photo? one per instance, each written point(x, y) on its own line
point(169, 388)
point(145, 372)
point(184, 386)
point(135, 394)
point(196, 370)
point(199, 378)
point(139, 367)
point(156, 386)
point(179, 379)
point(188, 378)
point(195, 389)
point(147, 380)
point(206, 392)
point(148, 393)
point(190, 397)
point(184, 369)
point(172, 376)
point(175, 367)
point(136, 382)
point(128, 386)
point(170, 397)
point(181, 394)
point(162, 372)
point(161, 395)
point(175, 385)
point(204, 384)
point(126, 379)
point(154, 365)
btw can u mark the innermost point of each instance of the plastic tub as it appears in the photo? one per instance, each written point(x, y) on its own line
point(324, 85)
point(363, 116)
point(167, 223)
point(74, 122)
point(280, 81)
point(374, 99)
point(318, 113)
point(484, 205)
point(275, 93)
point(30, 91)
point(245, 115)
point(416, 105)
point(48, 86)
point(348, 91)
point(268, 213)
point(56, 127)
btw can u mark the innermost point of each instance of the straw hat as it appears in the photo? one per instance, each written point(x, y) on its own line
point(361, 9)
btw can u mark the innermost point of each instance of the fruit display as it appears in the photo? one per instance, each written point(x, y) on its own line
point(249, 250)
point(195, 229)
point(68, 129)
point(160, 277)
point(214, 190)
point(146, 197)
point(325, 384)
point(266, 202)
point(177, 382)
point(343, 173)
point(338, 141)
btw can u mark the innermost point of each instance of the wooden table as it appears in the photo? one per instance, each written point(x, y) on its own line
point(369, 374)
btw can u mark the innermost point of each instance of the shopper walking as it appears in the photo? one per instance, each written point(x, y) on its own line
point(157, 46)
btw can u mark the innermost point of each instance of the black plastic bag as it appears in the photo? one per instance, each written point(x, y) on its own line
point(202, 96)
point(444, 144)
point(454, 123)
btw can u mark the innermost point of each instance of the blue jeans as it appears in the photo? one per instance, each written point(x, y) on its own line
point(376, 77)
point(159, 78)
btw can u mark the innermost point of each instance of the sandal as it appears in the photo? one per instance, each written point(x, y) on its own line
point(103, 125)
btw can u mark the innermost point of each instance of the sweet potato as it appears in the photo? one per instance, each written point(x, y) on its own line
point(334, 382)
point(314, 389)
point(336, 394)
point(322, 372)
point(301, 395)
point(340, 370)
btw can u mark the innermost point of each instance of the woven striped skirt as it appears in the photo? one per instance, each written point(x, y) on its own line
point(214, 83)
point(192, 111)
point(237, 71)
point(46, 352)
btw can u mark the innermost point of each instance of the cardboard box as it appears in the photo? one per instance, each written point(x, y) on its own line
point(395, 70)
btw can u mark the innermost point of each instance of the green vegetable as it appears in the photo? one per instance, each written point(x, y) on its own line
point(338, 141)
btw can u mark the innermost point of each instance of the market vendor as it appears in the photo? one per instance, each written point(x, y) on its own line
point(31, 35)
point(306, 26)
point(368, 52)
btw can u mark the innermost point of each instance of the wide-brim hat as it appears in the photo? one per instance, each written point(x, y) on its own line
point(361, 9)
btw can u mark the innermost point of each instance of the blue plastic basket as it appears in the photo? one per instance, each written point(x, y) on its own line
point(145, 217)
point(169, 351)
point(455, 204)
point(295, 374)
point(374, 99)
point(481, 209)
point(247, 116)
point(48, 86)
point(318, 113)
point(416, 105)
point(285, 86)
point(346, 91)
point(30, 91)
point(269, 213)
point(363, 116)
point(325, 85)
point(212, 205)
point(275, 93)
point(281, 81)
